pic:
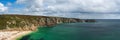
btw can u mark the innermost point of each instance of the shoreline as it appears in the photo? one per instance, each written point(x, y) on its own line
point(13, 35)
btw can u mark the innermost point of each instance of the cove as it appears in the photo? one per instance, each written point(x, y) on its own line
point(78, 31)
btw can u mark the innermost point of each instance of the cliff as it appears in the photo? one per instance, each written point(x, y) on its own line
point(27, 22)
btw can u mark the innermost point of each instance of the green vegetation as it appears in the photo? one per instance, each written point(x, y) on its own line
point(27, 22)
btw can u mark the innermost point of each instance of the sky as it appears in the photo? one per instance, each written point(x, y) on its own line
point(83, 9)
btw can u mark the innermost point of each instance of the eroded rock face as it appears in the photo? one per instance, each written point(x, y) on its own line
point(27, 22)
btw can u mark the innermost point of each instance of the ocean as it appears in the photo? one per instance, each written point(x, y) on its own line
point(102, 29)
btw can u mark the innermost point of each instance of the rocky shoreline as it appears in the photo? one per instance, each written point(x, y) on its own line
point(28, 22)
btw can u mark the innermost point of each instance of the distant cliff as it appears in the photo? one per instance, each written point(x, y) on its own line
point(27, 22)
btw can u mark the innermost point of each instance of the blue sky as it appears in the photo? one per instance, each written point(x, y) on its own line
point(6, 1)
point(84, 9)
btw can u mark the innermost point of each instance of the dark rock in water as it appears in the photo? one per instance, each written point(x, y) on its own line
point(37, 39)
point(90, 20)
point(25, 37)
point(41, 38)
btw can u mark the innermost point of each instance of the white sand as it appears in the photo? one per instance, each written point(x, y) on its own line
point(12, 35)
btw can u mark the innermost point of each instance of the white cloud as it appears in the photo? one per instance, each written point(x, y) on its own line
point(3, 8)
point(73, 8)
point(85, 5)
point(99, 16)
point(71, 5)
point(31, 5)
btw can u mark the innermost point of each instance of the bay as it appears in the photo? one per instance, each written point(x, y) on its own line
point(100, 30)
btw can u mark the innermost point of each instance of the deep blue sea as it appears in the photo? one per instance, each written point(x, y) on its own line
point(103, 29)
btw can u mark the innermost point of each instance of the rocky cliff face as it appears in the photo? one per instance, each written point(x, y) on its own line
point(26, 22)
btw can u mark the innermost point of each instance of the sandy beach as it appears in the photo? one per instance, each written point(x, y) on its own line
point(12, 35)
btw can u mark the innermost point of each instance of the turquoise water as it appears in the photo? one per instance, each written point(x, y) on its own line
point(78, 31)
